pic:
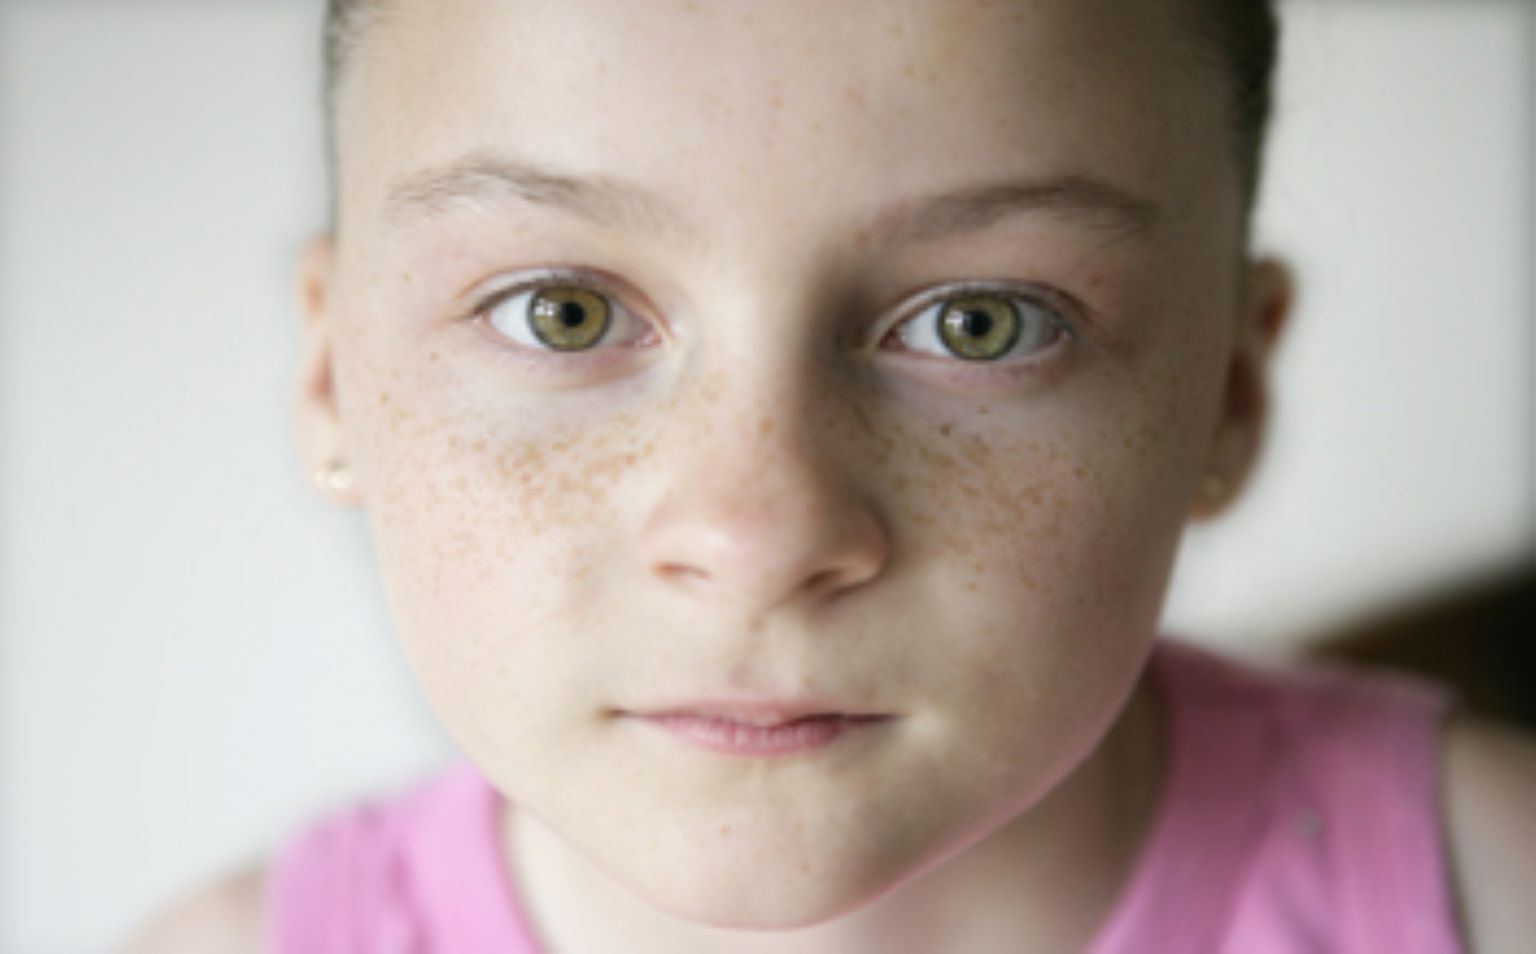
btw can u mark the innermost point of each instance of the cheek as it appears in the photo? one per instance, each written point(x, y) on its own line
point(1054, 528)
point(1055, 500)
point(488, 518)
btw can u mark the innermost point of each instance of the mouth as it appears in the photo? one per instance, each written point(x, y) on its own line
point(758, 729)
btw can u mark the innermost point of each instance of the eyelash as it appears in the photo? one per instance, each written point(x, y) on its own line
point(1021, 298)
point(1051, 306)
point(554, 280)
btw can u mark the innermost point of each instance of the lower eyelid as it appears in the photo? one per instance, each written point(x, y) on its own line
point(619, 312)
point(1061, 326)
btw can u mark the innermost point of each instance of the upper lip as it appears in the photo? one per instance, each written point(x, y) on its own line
point(761, 713)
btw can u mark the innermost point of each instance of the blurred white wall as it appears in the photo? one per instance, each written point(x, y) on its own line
point(193, 657)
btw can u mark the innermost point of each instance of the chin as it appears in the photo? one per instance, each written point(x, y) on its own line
point(763, 896)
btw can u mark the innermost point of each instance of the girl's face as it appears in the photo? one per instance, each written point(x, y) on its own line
point(866, 355)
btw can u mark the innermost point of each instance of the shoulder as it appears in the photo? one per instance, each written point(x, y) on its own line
point(1490, 817)
point(225, 915)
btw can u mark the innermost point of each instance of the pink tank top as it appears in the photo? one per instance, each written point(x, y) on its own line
point(1300, 814)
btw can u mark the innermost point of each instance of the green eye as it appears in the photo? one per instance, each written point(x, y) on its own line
point(979, 327)
point(569, 318)
point(982, 326)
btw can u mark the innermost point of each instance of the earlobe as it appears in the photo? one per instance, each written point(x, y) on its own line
point(316, 416)
point(1269, 296)
point(1240, 430)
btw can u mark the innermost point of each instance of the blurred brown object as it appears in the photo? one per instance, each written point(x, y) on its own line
point(1479, 639)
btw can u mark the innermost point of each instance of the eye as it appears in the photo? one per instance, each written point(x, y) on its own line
point(982, 326)
point(560, 316)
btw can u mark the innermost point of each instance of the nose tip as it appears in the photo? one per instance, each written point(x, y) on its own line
point(782, 533)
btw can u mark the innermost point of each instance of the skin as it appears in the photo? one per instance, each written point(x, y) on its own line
point(760, 489)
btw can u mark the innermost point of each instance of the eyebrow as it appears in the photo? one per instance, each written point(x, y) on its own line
point(486, 179)
point(1079, 200)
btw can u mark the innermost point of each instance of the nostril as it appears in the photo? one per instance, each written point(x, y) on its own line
point(681, 573)
point(823, 581)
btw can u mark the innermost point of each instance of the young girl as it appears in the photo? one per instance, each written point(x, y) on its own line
point(776, 423)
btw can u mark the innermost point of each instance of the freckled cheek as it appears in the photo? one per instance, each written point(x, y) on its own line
point(985, 502)
point(1049, 514)
point(487, 526)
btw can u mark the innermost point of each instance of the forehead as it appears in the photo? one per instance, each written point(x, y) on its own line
point(794, 105)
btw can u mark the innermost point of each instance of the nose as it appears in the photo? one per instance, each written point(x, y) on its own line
point(757, 512)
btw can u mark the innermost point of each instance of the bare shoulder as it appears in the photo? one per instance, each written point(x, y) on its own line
point(1490, 805)
point(224, 915)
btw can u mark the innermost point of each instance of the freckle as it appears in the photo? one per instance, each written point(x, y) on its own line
point(432, 356)
point(725, 829)
point(977, 452)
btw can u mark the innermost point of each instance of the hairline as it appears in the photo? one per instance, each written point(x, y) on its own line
point(1248, 122)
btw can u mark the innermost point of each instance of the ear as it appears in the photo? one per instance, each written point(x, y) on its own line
point(316, 416)
point(1264, 308)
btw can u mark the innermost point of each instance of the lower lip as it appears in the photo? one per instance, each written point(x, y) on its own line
point(739, 738)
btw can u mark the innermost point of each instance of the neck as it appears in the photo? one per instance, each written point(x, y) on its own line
point(1045, 881)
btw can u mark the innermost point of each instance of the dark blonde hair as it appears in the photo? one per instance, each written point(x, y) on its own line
point(1242, 35)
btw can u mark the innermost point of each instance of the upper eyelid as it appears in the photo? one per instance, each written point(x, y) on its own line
point(1061, 308)
point(552, 277)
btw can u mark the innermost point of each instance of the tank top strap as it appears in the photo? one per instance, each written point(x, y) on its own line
point(1216, 804)
point(1300, 812)
point(415, 874)
point(1368, 745)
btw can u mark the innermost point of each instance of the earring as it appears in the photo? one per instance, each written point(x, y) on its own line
point(335, 477)
point(1214, 487)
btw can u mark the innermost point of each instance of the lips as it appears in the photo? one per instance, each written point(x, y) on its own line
point(758, 728)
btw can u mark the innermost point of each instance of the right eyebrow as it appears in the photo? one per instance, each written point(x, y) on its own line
point(1090, 203)
point(483, 178)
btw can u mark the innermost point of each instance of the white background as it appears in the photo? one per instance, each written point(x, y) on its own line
point(193, 657)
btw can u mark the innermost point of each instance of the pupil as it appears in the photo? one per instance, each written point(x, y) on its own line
point(976, 323)
point(572, 315)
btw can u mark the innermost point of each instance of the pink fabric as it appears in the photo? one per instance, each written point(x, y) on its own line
point(418, 874)
point(1300, 814)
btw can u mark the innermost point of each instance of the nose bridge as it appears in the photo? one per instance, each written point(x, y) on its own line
point(760, 504)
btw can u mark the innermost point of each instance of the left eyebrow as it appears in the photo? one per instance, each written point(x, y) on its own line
point(488, 178)
point(1092, 203)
